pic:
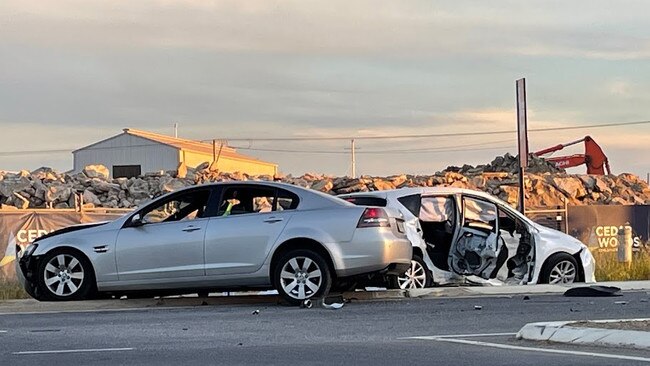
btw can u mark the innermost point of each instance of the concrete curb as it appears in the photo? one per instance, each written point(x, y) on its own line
point(468, 291)
point(242, 298)
point(563, 332)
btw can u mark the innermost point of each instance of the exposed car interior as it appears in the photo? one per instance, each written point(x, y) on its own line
point(437, 219)
point(488, 238)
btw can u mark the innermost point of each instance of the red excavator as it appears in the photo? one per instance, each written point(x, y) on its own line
point(594, 157)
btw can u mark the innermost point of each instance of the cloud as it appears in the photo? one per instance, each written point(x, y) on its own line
point(397, 29)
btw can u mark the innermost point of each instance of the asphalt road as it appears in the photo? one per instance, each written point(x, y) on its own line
point(361, 333)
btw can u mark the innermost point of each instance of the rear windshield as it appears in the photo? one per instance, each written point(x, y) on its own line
point(366, 201)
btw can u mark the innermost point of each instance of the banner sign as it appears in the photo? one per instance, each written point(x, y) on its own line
point(599, 226)
point(22, 227)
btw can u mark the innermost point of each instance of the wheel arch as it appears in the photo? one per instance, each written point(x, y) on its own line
point(77, 251)
point(302, 243)
point(417, 251)
point(576, 257)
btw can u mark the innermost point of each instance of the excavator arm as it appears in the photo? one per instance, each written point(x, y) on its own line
point(594, 157)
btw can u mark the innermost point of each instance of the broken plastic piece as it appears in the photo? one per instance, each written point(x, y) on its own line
point(478, 307)
point(593, 291)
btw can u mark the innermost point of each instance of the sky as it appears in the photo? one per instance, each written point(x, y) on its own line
point(75, 72)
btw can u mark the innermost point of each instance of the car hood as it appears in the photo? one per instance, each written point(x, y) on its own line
point(552, 238)
point(71, 229)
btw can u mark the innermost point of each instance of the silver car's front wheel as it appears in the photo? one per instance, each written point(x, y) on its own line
point(64, 275)
point(302, 275)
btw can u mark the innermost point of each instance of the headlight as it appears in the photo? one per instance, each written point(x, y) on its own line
point(29, 250)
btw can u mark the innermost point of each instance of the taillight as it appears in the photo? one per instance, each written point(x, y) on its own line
point(374, 217)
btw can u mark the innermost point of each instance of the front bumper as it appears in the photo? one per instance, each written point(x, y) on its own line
point(25, 272)
point(588, 265)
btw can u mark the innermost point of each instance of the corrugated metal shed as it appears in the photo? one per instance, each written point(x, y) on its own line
point(152, 152)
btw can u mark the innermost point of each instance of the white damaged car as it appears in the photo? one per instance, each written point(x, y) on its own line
point(461, 235)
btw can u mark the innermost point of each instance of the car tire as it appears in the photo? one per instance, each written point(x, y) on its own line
point(300, 275)
point(560, 268)
point(64, 275)
point(417, 276)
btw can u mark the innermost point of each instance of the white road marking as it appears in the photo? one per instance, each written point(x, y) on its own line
point(463, 335)
point(3, 331)
point(73, 351)
point(531, 349)
point(98, 310)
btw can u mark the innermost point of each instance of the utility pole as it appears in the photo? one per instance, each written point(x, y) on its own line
point(522, 135)
point(354, 161)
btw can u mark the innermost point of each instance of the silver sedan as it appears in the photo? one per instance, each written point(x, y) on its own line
point(226, 236)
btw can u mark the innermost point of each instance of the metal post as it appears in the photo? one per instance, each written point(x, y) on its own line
point(522, 134)
point(214, 150)
point(354, 162)
point(625, 242)
point(176, 130)
point(647, 178)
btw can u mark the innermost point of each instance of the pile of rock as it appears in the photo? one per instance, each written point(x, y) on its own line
point(546, 186)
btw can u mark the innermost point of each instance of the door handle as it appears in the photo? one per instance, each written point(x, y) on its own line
point(272, 220)
point(189, 229)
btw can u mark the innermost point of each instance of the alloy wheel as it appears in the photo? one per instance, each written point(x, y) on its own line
point(563, 272)
point(414, 277)
point(301, 278)
point(63, 275)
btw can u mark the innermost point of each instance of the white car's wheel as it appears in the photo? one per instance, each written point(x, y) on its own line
point(560, 268)
point(417, 276)
point(64, 275)
point(301, 275)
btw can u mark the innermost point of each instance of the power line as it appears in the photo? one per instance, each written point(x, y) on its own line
point(452, 134)
point(455, 134)
point(423, 150)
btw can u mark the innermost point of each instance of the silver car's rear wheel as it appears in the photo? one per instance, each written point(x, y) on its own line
point(64, 275)
point(301, 275)
point(301, 278)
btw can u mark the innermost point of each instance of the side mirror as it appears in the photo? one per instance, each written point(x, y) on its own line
point(136, 220)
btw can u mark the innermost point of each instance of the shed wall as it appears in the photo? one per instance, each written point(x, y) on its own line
point(127, 149)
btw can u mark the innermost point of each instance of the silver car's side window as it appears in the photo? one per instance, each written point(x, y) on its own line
point(184, 207)
point(246, 200)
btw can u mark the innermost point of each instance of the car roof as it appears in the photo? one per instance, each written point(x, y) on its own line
point(401, 192)
point(309, 198)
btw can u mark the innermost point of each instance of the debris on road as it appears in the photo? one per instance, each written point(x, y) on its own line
point(620, 302)
point(478, 307)
point(256, 312)
point(593, 291)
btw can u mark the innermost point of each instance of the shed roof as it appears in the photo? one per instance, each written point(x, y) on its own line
point(185, 144)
